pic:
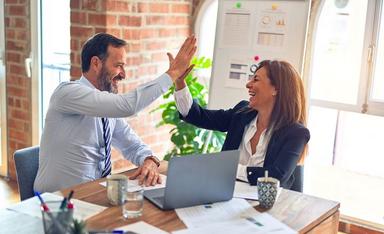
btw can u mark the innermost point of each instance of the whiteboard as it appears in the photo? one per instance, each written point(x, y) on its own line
point(247, 30)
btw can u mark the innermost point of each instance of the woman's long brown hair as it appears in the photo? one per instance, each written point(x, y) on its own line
point(290, 105)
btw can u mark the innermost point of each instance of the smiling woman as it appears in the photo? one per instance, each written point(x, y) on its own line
point(269, 129)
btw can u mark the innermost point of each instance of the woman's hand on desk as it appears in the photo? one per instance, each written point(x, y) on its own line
point(147, 174)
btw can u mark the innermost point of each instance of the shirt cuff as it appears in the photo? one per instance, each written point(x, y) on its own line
point(183, 100)
point(165, 82)
point(242, 173)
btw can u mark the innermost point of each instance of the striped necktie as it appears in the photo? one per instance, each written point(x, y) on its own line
point(107, 139)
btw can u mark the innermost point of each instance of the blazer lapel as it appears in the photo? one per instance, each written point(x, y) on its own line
point(235, 134)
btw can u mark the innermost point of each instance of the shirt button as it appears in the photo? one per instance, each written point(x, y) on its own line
point(250, 173)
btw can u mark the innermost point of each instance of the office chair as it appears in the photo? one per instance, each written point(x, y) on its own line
point(26, 163)
point(299, 179)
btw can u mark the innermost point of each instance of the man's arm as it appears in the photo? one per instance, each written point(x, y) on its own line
point(135, 150)
point(76, 98)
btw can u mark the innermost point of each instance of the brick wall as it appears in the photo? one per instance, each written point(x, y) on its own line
point(17, 38)
point(151, 28)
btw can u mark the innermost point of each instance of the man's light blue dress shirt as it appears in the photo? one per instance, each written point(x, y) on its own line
point(72, 148)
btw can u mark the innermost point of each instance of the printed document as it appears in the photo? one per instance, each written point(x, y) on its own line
point(141, 227)
point(245, 190)
point(261, 223)
point(197, 216)
point(31, 206)
point(136, 184)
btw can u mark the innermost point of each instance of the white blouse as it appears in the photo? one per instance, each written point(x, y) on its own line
point(184, 102)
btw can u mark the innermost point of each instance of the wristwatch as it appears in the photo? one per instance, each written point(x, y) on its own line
point(154, 159)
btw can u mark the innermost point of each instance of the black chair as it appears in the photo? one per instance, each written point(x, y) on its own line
point(26, 163)
point(299, 179)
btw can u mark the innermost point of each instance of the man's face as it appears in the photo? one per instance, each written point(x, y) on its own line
point(112, 70)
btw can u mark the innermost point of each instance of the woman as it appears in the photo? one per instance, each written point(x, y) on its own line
point(269, 129)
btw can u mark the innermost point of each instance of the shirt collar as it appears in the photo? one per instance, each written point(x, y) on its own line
point(86, 82)
point(253, 122)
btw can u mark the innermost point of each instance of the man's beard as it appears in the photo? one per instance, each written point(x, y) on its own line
point(104, 83)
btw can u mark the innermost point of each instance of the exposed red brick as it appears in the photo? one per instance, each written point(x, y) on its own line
point(17, 92)
point(85, 31)
point(134, 21)
point(10, 1)
point(75, 45)
point(17, 135)
point(14, 45)
point(20, 114)
point(157, 45)
point(75, 72)
point(75, 4)
point(117, 6)
point(180, 8)
point(13, 57)
point(10, 34)
point(131, 34)
point(159, 7)
point(21, 34)
point(97, 19)
point(133, 47)
point(113, 31)
point(78, 17)
point(149, 33)
point(16, 10)
point(19, 23)
point(16, 68)
point(90, 5)
point(111, 20)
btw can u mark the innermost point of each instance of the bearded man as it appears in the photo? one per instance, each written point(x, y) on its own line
point(85, 117)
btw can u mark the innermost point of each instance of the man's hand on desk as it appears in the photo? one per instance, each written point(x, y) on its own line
point(147, 174)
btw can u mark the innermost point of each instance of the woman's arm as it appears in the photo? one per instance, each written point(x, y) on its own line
point(286, 159)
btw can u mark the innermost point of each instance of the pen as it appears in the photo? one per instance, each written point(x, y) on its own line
point(45, 207)
point(66, 200)
point(70, 195)
point(63, 204)
point(107, 232)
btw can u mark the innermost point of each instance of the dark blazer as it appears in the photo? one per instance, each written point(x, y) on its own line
point(284, 148)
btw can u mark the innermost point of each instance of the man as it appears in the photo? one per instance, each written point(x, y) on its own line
point(85, 117)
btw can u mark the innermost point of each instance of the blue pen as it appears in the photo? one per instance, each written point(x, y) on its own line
point(45, 207)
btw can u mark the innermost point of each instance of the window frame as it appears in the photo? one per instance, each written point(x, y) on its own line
point(363, 102)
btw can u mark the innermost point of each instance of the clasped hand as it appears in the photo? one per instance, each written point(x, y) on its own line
point(147, 174)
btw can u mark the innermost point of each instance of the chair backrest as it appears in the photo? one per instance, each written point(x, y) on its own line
point(27, 163)
point(299, 179)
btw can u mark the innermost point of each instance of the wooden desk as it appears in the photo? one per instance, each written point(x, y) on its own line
point(306, 214)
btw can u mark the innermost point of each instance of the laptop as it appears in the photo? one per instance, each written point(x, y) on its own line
point(197, 179)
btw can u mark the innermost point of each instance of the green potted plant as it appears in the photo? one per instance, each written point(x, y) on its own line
point(187, 138)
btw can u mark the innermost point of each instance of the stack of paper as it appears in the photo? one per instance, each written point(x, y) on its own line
point(136, 183)
point(31, 206)
point(245, 190)
point(234, 216)
point(141, 228)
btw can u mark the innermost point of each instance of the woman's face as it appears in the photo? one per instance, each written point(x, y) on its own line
point(262, 93)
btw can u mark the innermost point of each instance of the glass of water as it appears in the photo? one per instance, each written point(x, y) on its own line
point(133, 200)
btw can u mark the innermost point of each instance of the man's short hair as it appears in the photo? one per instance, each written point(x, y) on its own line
point(98, 46)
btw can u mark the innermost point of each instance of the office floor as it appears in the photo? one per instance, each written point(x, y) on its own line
point(9, 193)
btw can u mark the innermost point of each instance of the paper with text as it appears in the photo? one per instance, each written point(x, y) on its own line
point(136, 183)
point(142, 227)
point(31, 206)
point(261, 223)
point(197, 216)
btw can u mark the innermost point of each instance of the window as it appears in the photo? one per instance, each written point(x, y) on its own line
point(346, 92)
point(205, 30)
point(50, 27)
